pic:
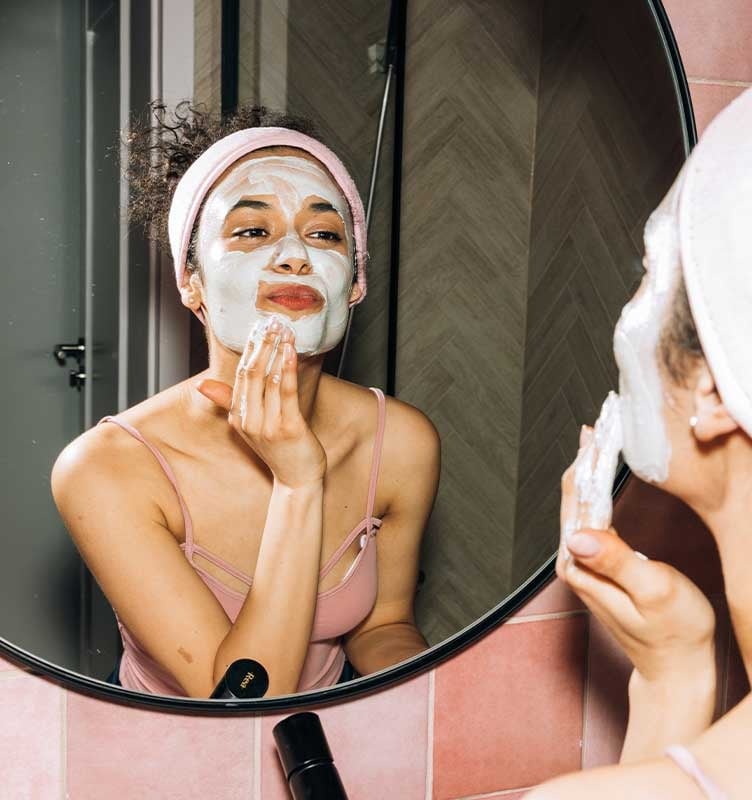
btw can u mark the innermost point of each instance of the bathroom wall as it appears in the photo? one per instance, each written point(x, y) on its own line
point(606, 147)
point(470, 110)
point(541, 695)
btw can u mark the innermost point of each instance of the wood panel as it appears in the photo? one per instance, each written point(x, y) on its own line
point(608, 144)
point(470, 110)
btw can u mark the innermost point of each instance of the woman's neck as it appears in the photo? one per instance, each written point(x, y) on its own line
point(223, 364)
point(733, 534)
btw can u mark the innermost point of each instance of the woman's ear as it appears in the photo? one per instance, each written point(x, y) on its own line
point(711, 419)
point(356, 292)
point(191, 292)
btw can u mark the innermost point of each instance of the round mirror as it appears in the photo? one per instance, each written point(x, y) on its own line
point(508, 155)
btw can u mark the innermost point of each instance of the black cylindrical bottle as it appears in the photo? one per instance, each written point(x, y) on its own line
point(307, 759)
point(244, 678)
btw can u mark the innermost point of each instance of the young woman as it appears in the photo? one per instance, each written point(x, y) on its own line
point(237, 514)
point(684, 351)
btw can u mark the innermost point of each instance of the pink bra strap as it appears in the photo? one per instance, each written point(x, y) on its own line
point(167, 471)
point(376, 458)
point(375, 462)
point(222, 564)
point(685, 760)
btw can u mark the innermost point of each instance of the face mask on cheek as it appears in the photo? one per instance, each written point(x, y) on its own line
point(231, 279)
point(647, 449)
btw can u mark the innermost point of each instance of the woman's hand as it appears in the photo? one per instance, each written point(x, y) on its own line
point(663, 622)
point(264, 409)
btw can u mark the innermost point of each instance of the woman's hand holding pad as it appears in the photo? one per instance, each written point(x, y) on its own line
point(263, 408)
point(661, 620)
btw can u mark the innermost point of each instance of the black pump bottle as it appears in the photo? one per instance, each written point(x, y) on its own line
point(306, 758)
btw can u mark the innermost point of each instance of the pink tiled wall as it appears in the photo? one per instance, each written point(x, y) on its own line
point(543, 694)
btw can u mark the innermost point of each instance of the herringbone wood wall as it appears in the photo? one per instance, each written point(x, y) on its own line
point(608, 145)
point(470, 109)
point(509, 284)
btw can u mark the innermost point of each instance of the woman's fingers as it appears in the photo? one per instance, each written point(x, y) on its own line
point(288, 388)
point(606, 554)
point(216, 391)
point(271, 394)
point(254, 379)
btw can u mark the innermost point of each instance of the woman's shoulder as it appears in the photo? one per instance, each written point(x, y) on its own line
point(405, 423)
point(107, 449)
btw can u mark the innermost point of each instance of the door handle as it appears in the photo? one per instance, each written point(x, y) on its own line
point(63, 352)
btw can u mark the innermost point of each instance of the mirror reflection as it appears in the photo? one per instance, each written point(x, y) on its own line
point(314, 394)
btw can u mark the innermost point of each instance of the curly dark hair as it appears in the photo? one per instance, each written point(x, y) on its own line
point(679, 345)
point(161, 145)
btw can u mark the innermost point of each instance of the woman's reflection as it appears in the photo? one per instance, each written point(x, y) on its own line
point(266, 466)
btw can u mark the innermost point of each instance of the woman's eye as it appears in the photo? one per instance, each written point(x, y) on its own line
point(330, 236)
point(250, 233)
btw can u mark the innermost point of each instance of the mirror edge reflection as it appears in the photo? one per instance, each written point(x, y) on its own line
point(428, 659)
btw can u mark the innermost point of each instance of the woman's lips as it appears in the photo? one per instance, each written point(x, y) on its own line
point(295, 296)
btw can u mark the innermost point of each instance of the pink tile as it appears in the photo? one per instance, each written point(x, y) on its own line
point(710, 98)
point(117, 751)
point(31, 765)
point(713, 37)
point(554, 597)
point(606, 706)
point(379, 744)
point(508, 711)
point(9, 666)
point(737, 684)
point(665, 529)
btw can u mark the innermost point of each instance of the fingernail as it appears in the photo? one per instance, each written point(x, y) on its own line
point(583, 544)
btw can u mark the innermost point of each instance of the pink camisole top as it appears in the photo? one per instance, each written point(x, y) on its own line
point(338, 610)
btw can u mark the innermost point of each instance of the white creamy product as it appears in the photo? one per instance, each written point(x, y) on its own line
point(647, 449)
point(595, 471)
point(232, 277)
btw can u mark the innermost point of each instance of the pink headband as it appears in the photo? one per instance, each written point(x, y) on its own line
point(202, 174)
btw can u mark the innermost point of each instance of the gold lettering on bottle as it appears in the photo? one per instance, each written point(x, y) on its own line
point(249, 676)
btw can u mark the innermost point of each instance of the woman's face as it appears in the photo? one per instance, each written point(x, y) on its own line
point(642, 383)
point(275, 237)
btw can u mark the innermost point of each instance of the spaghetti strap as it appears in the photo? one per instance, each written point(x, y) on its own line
point(376, 458)
point(167, 471)
point(375, 462)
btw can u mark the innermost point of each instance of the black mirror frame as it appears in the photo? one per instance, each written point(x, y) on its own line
point(408, 669)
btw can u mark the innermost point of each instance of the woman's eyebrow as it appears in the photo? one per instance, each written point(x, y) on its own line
point(322, 207)
point(259, 204)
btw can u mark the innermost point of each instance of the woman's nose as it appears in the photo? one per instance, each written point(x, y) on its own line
point(292, 257)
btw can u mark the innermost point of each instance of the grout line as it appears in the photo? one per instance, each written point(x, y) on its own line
point(429, 733)
point(580, 612)
point(497, 793)
point(257, 757)
point(719, 82)
point(64, 744)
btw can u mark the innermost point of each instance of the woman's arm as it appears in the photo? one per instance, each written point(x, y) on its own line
point(722, 752)
point(107, 495)
point(274, 624)
point(663, 623)
point(411, 465)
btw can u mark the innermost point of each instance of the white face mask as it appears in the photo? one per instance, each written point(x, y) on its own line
point(235, 281)
point(647, 449)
